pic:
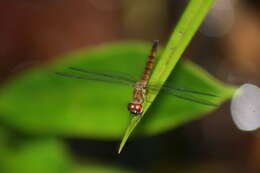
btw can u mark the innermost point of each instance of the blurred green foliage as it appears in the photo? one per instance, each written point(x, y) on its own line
point(40, 155)
point(40, 102)
point(25, 154)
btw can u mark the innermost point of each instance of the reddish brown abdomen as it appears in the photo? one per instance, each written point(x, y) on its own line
point(150, 62)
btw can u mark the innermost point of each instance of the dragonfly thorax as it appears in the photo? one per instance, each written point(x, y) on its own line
point(140, 84)
point(139, 92)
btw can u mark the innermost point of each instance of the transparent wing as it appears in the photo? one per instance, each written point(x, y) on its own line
point(131, 80)
point(193, 99)
point(121, 76)
point(126, 80)
point(180, 90)
point(166, 87)
point(185, 94)
point(98, 79)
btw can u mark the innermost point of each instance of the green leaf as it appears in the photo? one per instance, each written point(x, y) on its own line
point(24, 154)
point(180, 38)
point(38, 101)
point(30, 156)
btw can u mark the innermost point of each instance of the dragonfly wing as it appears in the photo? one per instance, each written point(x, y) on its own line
point(180, 90)
point(188, 91)
point(104, 75)
point(183, 95)
point(193, 99)
point(75, 76)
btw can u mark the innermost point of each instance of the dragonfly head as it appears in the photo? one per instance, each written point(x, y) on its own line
point(134, 108)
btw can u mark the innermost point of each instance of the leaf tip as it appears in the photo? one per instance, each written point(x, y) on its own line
point(120, 148)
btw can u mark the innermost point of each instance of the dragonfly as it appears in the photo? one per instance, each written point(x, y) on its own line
point(140, 87)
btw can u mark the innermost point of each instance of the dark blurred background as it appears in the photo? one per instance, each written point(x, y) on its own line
point(33, 32)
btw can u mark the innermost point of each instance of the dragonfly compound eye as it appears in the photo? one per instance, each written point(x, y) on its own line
point(138, 108)
point(135, 108)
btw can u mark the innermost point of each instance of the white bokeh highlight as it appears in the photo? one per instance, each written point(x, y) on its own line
point(245, 107)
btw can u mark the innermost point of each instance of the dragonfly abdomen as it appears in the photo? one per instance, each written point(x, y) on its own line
point(150, 62)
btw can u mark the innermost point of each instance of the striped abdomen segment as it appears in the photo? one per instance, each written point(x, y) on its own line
point(150, 62)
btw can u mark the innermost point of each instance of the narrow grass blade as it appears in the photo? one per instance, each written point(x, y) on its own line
point(134, 121)
point(179, 40)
